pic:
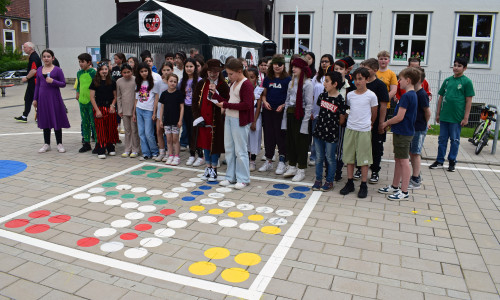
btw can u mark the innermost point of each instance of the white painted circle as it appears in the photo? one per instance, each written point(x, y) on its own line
point(277, 221)
point(227, 204)
point(228, 223)
point(154, 192)
point(284, 212)
point(208, 201)
point(244, 206)
point(151, 242)
point(164, 232)
point(96, 190)
point(81, 196)
point(96, 199)
point(138, 190)
point(207, 219)
point(179, 190)
point(177, 224)
point(130, 205)
point(134, 215)
point(113, 202)
point(135, 253)
point(121, 223)
point(147, 208)
point(188, 216)
point(249, 226)
point(264, 210)
point(224, 190)
point(196, 180)
point(216, 195)
point(104, 232)
point(188, 184)
point(170, 195)
point(112, 246)
point(123, 187)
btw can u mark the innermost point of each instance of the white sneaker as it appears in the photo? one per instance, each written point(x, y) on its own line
point(388, 190)
point(252, 166)
point(300, 175)
point(280, 169)
point(182, 148)
point(101, 156)
point(312, 162)
point(155, 157)
point(274, 157)
point(165, 158)
point(263, 158)
point(290, 172)
point(198, 162)
point(169, 160)
point(45, 148)
point(240, 185)
point(225, 182)
point(176, 161)
point(112, 153)
point(125, 154)
point(60, 148)
point(160, 157)
point(190, 161)
point(267, 166)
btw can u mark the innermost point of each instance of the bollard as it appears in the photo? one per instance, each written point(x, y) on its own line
point(495, 138)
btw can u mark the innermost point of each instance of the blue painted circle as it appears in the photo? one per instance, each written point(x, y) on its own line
point(197, 193)
point(296, 195)
point(11, 167)
point(275, 193)
point(302, 188)
point(205, 187)
point(188, 198)
point(212, 182)
point(281, 186)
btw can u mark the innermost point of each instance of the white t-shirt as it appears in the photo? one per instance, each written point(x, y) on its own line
point(179, 73)
point(156, 76)
point(360, 114)
point(145, 98)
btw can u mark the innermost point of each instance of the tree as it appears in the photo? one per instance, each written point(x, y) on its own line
point(3, 6)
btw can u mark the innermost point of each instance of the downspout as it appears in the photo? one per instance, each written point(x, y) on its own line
point(46, 19)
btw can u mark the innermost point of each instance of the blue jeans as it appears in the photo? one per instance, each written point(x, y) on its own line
point(313, 144)
point(235, 143)
point(325, 149)
point(146, 130)
point(449, 131)
point(212, 160)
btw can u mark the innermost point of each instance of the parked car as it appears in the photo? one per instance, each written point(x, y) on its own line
point(13, 74)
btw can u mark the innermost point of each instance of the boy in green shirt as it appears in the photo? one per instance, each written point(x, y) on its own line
point(84, 79)
point(455, 100)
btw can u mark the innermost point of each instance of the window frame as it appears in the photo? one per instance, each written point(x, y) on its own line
point(351, 35)
point(410, 37)
point(301, 36)
point(27, 26)
point(13, 38)
point(474, 39)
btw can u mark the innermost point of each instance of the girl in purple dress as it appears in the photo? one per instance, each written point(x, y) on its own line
point(48, 102)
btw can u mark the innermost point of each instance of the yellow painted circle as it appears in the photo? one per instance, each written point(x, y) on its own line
point(255, 217)
point(247, 259)
point(202, 268)
point(215, 211)
point(270, 230)
point(197, 208)
point(235, 275)
point(217, 253)
point(235, 214)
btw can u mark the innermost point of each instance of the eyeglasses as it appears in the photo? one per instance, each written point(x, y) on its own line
point(279, 64)
point(325, 61)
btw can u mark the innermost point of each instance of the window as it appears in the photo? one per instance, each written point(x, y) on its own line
point(287, 26)
point(9, 37)
point(25, 26)
point(474, 37)
point(351, 35)
point(410, 37)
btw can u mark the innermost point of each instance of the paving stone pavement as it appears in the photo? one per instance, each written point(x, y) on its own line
point(442, 244)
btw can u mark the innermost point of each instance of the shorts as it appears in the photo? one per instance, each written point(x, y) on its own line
point(418, 142)
point(357, 147)
point(171, 129)
point(401, 145)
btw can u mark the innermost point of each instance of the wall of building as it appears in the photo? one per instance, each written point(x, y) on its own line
point(20, 37)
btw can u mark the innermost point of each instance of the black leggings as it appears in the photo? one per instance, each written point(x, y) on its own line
point(46, 136)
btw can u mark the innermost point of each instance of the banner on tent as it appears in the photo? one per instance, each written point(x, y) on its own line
point(150, 23)
point(250, 55)
point(222, 53)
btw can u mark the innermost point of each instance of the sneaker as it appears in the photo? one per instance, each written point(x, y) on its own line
point(176, 161)
point(280, 169)
point(299, 175)
point(363, 190)
point(414, 184)
point(252, 166)
point(274, 157)
point(21, 119)
point(190, 161)
point(328, 186)
point(267, 166)
point(206, 175)
point(225, 182)
point(101, 156)
point(120, 129)
point(154, 157)
point(290, 172)
point(338, 176)
point(60, 148)
point(399, 196)
point(436, 165)
point(160, 157)
point(112, 153)
point(165, 158)
point(317, 185)
point(348, 188)
point(263, 158)
point(374, 178)
point(357, 174)
point(198, 162)
point(85, 147)
point(45, 148)
point(143, 158)
point(388, 190)
point(94, 151)
point(183, 148)
point(312, 162)
point(240, 185)
point(125, 154)
point(169, 160)
point(134, 154)
point(451, 166)
point(213, 175)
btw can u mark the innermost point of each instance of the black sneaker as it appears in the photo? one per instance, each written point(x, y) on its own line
point(349, 187)
point(374, 178)
point(357, 174)
point(338, 176)
point(86, 147)
point(451, 166)
point(94, 151)
point(21, 119)
point(363, 190)
point(436, 165)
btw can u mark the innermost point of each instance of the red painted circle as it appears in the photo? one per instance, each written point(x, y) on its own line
point(87, 242)
point(167, 212)
point(38, 228)
point(155, 219)
point(129, 236)
point(143, 227)
point(59, 219)
point(39, 214)
point(16, 223)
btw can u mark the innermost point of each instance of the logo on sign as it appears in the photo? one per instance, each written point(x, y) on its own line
point(152, 22)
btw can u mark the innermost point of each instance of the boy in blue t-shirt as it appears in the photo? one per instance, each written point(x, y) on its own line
point(403, 129)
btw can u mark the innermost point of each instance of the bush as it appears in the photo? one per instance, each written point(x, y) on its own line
point(12, 60)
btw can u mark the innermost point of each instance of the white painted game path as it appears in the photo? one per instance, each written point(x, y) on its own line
point(256, 289)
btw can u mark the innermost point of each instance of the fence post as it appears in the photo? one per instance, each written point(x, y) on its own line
point(438, 87)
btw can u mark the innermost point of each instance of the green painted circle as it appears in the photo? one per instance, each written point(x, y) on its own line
point(142, 199)
point(165, 170)
point(112, 193)
point(154, 175)
point(109, 184)
point(128, 196)
point(160, 202)
point(148, 167)
point(138, 172)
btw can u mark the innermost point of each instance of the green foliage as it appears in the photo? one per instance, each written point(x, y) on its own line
point(3, 6)
point(12, 60)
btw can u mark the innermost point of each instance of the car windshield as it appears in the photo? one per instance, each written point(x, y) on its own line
point(5, 74)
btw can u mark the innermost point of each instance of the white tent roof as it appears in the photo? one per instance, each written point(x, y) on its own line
point(215, 26)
